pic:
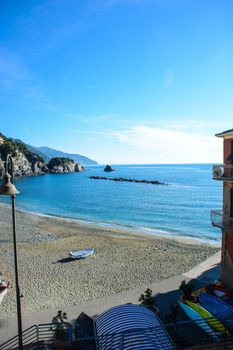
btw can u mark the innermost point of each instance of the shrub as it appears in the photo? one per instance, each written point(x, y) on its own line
point(59, 161)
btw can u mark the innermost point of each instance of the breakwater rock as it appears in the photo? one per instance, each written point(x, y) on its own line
point(123, 179)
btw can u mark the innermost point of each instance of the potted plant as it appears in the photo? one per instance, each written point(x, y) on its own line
point(147, 301)
point(187, 289)
point(60, 326)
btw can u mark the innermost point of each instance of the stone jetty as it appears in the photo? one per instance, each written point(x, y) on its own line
point(123, 179)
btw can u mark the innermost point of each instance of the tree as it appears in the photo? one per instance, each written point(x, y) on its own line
point(59, 161)
point(8, 147)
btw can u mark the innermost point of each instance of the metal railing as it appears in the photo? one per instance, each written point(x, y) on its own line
point(185, 335)
point(223, 172)
point(147, 337)
point(205, 333)
point(29, 337)
point(39, 337)
point(218, 219)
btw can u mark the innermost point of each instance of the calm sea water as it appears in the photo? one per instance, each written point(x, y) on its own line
point(182, 208)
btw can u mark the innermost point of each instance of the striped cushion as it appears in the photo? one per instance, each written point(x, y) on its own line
point(218, 308)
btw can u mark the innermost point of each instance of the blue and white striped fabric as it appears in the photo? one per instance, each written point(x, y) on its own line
point(131, 327)
point(220, 309)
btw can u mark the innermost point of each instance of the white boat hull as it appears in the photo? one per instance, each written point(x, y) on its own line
point(81, 254)
point(3, 294)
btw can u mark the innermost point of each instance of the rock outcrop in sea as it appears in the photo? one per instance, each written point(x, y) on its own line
point(108, 168)
point(64, 165)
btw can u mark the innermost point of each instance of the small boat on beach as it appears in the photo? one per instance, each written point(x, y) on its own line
point(80, 254)
point(3, 289)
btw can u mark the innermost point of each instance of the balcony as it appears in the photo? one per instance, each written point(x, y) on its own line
point(223, 172)
point(218, 219)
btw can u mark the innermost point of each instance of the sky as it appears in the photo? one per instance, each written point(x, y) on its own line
point(119, 81)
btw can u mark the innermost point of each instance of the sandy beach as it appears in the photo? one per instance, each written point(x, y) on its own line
point(122, 260)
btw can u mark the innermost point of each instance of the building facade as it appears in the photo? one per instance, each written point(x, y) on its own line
point(224, 218)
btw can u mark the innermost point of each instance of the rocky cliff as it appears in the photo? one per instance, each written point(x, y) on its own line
point(25, 161)
point(28, 163)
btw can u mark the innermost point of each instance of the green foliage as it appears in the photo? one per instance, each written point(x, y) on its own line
point(146, 298)
point(60, 326)
point(11, 147)
point(187, 289)
point(6, 148)
point(59, 320)
point(59, 161)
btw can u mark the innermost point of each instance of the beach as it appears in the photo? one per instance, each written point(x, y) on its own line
point(122, 261)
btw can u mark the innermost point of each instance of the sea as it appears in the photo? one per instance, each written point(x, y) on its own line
point(180, 208)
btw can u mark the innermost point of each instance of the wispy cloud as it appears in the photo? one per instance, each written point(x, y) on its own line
point(37, 25)
point(13, 71)
point(92, 120)
point(169, 146)
point(71, 18)
point(86, 118)
point(17, 78)
point(201, 126)
point(26, 129)
point(93, 133)
point(158, 144)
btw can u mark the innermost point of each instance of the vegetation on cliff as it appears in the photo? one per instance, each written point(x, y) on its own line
point(27, 162)
point(59, 162)
point(63, 165)
point(13, 147)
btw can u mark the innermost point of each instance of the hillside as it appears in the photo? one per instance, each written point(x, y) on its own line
point(26, 162)
point(48, 153)
point(30, 161)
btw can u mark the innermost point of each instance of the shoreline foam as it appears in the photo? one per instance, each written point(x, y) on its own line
point(160, 233)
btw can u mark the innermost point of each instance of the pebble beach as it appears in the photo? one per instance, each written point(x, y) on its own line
point(122, 261)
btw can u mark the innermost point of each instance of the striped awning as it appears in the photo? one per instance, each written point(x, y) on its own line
point(131, 327)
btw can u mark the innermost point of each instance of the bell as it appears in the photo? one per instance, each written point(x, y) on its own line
point(7, 188)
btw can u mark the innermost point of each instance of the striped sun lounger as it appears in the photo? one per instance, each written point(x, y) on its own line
point(220, 309)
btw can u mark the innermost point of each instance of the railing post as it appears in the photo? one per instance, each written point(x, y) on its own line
point(37, 337)
point(70, 339)
point(226, 334)
point(174, 330)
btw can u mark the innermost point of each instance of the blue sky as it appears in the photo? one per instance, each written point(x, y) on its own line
point(120, 81)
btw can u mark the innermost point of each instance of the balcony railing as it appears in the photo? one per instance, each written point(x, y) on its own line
point(185, 335)
point(223, 172)
point(39, 337)
point(218, 219)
